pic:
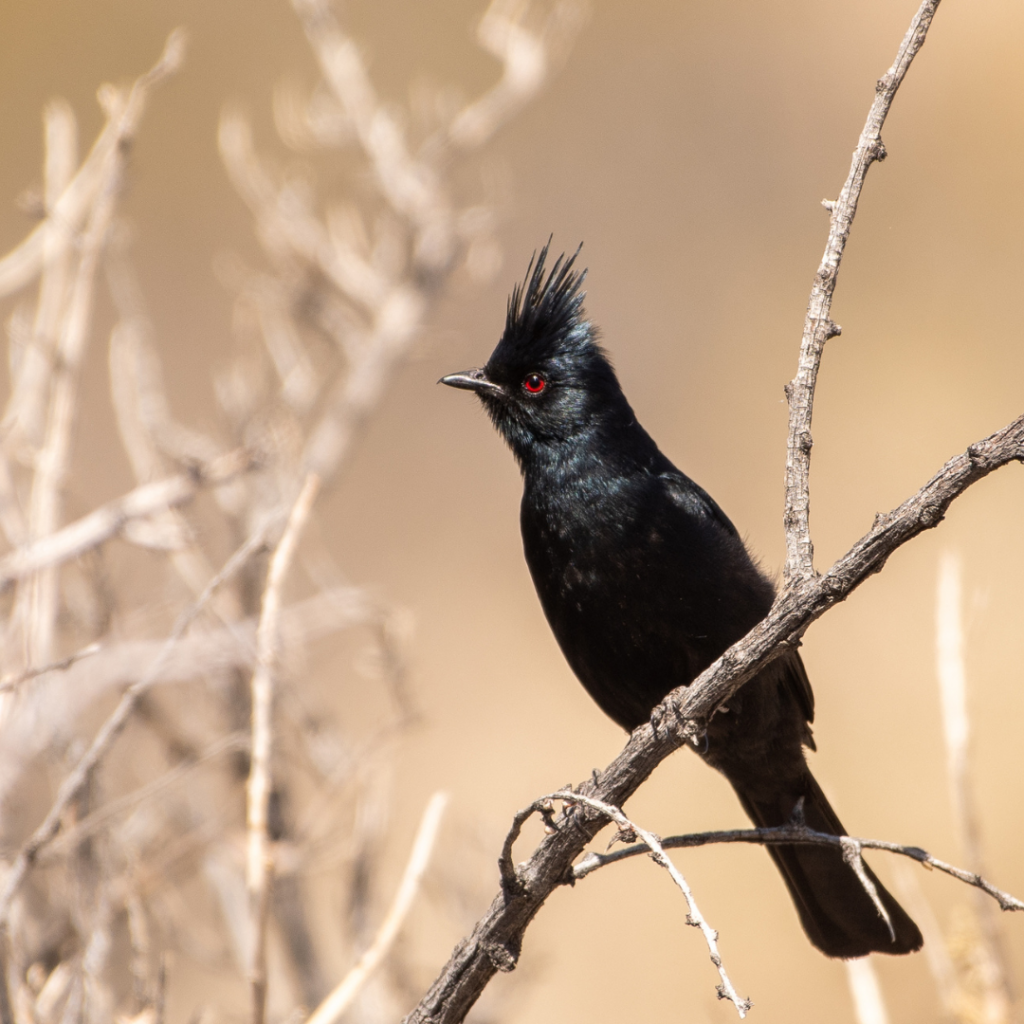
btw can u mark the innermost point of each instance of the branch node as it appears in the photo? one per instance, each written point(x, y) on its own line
point(625, 834)
point(503, 958)
point(975, 452)
point(930, 516)
point(829, 204)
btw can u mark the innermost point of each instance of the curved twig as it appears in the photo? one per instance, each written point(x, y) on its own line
point(653, 846)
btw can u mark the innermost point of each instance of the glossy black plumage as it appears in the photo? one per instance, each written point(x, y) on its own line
point(645, 582)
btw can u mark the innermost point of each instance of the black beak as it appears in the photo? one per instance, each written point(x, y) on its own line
point(470, 380)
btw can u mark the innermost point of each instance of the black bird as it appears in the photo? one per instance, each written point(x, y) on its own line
point(645, 582)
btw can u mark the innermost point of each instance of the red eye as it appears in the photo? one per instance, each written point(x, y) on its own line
point(535, 383)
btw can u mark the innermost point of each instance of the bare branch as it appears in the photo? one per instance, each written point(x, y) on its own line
point(996, 992)
point(818, 326)
point(92, 823)
point(16, 679)
point(653, 846)
point(331, 1009)
point(258, 867)
point(801, 834)
point(868, 1004)
point(526, 58)
point(115, 724)
point(23, 263)
point(27, 732)
point(108, 520)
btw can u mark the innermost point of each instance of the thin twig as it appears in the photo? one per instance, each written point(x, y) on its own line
point(258, 868)
point(801, 835)
point(70, 306)
point(95, 821)
point(656, 848)
point(202, 652)
point(818, 325)
point(52, 462)
point(24, 413)
point(15, 679)
point(341, 998)
point(852, 856)
point(108, 520)
point(24, 262)
point(139, 940)
point(114, 725)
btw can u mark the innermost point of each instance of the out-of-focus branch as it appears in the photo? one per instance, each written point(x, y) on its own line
point(818, 325)
point(258, 867)
point(331, 1009)
point(996, 992)
point(45, 384)
point(526, 58)
point(360, 277)
point(24, 262)
point(15, 679)
point(99, 818)
point(426, 234)
point(115, 724)
point(868, 1004)
point(108, 520)
point(30, 731)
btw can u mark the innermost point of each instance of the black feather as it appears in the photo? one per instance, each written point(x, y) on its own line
point(545, 316)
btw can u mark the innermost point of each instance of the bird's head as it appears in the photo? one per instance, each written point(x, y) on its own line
point(548, 381)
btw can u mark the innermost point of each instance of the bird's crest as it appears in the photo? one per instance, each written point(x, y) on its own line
point(545, 313)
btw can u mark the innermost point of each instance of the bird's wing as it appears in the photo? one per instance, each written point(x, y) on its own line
point(796, 681)
point(694, 499)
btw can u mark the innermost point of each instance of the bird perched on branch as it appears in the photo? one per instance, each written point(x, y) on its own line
point(645, 582)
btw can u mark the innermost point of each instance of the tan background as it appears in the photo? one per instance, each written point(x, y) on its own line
point(689, 146)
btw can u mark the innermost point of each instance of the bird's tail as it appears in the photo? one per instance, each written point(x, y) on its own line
point(837, 914)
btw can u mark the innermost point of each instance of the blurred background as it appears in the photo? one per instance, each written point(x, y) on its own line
point(688, 146)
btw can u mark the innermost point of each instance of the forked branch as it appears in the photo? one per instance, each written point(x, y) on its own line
point(818, 325)
point(681, 717)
